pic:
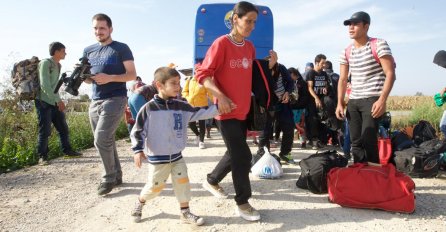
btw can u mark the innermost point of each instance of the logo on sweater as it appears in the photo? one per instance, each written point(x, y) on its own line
point(178, 122)
point(240, 63)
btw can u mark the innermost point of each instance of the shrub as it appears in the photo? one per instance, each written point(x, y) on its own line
point(18, 137)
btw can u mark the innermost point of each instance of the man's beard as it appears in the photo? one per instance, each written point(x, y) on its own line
point(104, 39)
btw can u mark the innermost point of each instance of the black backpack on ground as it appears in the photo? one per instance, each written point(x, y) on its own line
point(315, 169)
point(423, 131)
point(401, 141)
point(422, 161)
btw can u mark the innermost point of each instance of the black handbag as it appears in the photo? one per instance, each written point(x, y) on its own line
point(257, 115)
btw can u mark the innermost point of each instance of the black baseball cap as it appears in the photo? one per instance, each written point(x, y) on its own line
point(440, 58)
point(357, 17)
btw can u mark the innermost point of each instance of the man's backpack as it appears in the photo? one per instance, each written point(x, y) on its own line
point(315, 169)
point(423, 131)
point(25, 78)
point(373, 46)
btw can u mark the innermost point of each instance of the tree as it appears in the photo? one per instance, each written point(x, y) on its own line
point(419, 94)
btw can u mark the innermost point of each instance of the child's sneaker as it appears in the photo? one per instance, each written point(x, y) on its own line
point(201, 145)
point(137, 211)
point(287, 158)
point(216, 190)
point(190, 218)
point(247, 212)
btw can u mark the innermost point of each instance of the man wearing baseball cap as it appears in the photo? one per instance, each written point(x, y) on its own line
point(370, 62)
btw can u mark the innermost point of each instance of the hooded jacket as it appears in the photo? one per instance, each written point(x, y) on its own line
point(160, 130)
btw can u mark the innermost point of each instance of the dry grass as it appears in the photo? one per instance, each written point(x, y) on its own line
point(409, 102)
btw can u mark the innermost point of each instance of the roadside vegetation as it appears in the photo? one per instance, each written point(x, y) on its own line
point(19, 130)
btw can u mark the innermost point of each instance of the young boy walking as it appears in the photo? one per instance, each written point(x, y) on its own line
point(159, 135)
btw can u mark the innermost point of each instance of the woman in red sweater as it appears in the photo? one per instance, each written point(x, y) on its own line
point(227, 72)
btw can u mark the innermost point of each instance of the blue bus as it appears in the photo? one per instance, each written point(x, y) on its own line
point(213, 20)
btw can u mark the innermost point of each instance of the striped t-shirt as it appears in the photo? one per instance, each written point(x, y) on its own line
point(367, 75)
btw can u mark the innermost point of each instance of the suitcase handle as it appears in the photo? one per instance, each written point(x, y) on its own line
point(390, 167)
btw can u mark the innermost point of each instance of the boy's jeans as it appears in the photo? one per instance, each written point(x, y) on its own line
point(46, 115)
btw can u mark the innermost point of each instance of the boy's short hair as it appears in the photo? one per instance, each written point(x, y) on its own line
point(163, 74)
point(55, 46)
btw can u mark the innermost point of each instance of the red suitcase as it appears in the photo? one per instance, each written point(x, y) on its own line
point(372, 187)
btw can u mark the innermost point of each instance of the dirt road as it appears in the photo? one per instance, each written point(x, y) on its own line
point(62, 197)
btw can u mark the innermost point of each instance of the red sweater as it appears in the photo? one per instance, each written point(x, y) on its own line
point(230, 64)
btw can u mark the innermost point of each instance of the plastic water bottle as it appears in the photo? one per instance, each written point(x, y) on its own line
point(383, 132)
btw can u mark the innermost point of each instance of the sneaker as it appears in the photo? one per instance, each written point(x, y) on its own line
point(43, 161)
point(137, 211)
point(201, 145)
point(105, 187)
point(216, 190)
point(118, 180)
point(317, 145)
point(190, 218)
point(72, 154)
point(287, 158)
point(249, 214)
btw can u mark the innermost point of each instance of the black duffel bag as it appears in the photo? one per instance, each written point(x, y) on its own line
point(315, 169)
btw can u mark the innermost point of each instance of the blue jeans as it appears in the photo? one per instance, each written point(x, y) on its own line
point(46, 115)
point(105, 116)
point(443, 123)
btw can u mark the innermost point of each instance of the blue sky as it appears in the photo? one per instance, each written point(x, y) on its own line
point(160, 32)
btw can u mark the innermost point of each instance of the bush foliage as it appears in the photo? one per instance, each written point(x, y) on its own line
point(19, 130)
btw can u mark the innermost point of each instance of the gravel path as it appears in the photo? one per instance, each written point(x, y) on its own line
point(62, 197)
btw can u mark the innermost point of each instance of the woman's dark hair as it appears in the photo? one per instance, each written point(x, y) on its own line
point(242, 8)
point(55, 46)
point(102, 17)
point(296, 72)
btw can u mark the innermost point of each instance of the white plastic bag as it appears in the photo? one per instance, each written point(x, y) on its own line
point(267, 167)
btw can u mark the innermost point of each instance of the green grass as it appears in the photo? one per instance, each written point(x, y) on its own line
point(18, 137)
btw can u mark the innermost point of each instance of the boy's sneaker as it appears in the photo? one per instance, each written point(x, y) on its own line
point(105, 187)
point(190, 218)
point(247, 212)
point(43, 161)
point(287, 158)
point(201, 145)
point(137, 211)
point(72, 154)
point(216, 190)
